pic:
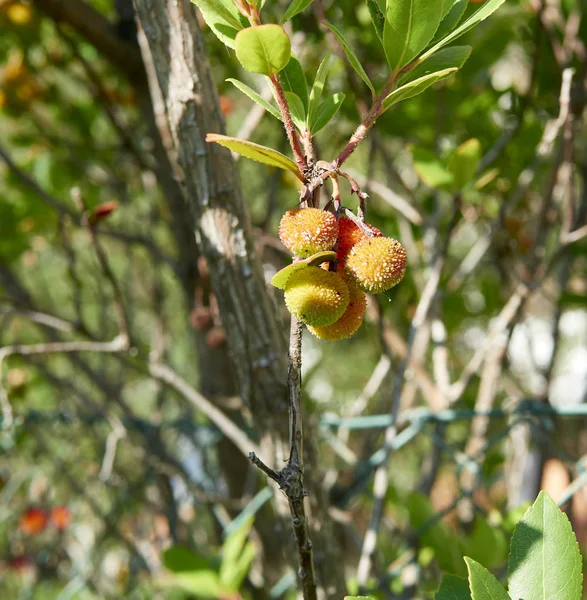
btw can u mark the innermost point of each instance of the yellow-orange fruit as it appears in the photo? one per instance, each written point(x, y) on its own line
point(315, 296)
point(349, 235)
point(306, 231)
point(350, 321)
point(377, 264)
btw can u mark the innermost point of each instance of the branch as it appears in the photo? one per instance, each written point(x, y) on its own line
point(290, 128)
point(166, 375)
point(290, 478)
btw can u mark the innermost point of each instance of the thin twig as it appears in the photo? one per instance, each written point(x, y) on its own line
point(290, 478)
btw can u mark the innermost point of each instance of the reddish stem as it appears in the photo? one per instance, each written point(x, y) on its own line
point(368, 122)
point(290, 129)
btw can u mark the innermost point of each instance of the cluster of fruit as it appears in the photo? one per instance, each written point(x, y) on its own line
point(332, 303)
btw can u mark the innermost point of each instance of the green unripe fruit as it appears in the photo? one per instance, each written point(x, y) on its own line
point(306, 231)
point(377, 264)
point(316, 297)
point(350, 321)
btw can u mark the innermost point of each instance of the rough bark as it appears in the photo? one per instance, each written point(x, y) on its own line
point(168, 35)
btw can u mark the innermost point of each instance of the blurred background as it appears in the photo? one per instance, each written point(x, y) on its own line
point(114, 480)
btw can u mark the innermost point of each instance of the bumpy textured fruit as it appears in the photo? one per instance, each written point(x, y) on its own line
point(306, 231)
point(316, 297)
point(350, 235)
point(350, 321)
point(377, 264)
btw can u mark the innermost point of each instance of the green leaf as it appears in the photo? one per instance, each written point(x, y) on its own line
point(318, 87)
point(293, 80)
point(179, 559)
point(296, 6)
point(377, 16)
point(352, 57)
point(252, 94)
point(409, 27)
point(464, 161)
point(221, 20)
point(256, 152)
point(446, 58)
point(453, 588)
point(431, 169)
point(359, 598)
point(280, 278)
point(203, 584)
point(451, 19)
point(232, 574)
point(413, 88)
point(264, 49)
point(296, 109)
point(232, 550)
point(487, 9)
point(545, 561)
point(326, 110)
point(483, 585)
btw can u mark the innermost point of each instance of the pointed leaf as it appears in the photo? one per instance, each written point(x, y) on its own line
point(446, 58)
point(326, 110)
point(409, 27)
point(377, 16)
point(453, 588)
point(264, 49)
point(352, 57)
point(233, 575)
point(232, 551)
point(483, 585)
point(318, 86)
point(545, 562)
point(296, 6)
point(252, 94)
point(280, 278)
point(463, 163)
point(204, 583)
point(293, 80)
point(451, 20)
point(223, 23)
point(487, 9)
point(256, 152)
point(413, 88)
point(296, 109)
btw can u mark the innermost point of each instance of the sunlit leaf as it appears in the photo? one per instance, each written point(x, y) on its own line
point(446, 58)
point(263, 49)
point(483, 585)
point(256, 152)
point(409, 27)
point(545, 561)
point(280, 278)
point(413, 88)
point(487, 9)
point(295, 7)
point(451, 20)
point(221, 20)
